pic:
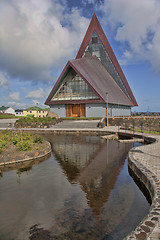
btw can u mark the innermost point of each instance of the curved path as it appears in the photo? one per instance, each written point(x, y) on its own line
point(145, 163)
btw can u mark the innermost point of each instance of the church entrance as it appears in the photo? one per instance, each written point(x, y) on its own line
point(75, 110)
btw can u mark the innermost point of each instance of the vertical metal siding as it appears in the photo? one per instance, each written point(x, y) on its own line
point(95, 110)
point(58, 109)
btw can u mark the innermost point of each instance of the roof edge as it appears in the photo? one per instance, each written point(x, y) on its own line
point(96, 26)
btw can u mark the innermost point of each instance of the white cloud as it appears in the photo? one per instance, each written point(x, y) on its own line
point(37, 36)
point(39, 93)
point(36, 102)
point(16, 105)
point(89, 2)
point(155, 57)
point(15, 96)
point(3, 80)
point(138, 24)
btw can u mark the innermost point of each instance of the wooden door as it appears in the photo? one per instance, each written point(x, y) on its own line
point(82, 110)
point(75, 110)
point(68, 110)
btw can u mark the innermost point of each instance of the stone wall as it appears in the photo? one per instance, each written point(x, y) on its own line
point(37, 124)
point(144, 123)
point(148, 229)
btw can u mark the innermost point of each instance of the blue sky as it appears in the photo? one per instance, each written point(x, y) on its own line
point(38, 37)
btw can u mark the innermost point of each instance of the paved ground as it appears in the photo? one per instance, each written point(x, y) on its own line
point(77, 124)
point(149, 157)
point(7, 123)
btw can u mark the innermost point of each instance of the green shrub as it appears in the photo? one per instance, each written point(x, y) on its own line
point(14, 141)
point(26, 136)
point(3, 144)
point(5, 132)
point(35, 119)
point(25, 145)
point(38, 139)
point(23, 141)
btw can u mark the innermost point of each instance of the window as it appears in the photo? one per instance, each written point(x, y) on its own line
point(95, 47)
point(94, 40)
point(75, 88)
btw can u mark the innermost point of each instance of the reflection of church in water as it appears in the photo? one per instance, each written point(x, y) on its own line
point(93, 163)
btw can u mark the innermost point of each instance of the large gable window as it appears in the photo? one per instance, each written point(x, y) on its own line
point(74, 88)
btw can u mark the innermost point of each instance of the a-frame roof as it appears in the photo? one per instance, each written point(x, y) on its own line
point(95, 26)
point(91, 70)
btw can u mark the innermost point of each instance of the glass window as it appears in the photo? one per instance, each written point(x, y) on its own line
point(95, 47)
point(94, 40)
point(74, 88)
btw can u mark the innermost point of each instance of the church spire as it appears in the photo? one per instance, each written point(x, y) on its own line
point(96, 43)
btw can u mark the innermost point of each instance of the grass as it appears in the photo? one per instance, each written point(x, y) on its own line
point(6, 116)
point(145, 131)
point(22, 141)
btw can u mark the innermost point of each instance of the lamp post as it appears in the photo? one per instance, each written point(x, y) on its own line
point(107, 107)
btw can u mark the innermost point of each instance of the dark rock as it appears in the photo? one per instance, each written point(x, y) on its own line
point(154, 219)
point(149, 223)
point(146, 229)
point(141, 236)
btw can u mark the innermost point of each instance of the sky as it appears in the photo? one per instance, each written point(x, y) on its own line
point(38, 37)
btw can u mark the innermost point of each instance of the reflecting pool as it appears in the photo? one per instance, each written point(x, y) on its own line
point(82, 191)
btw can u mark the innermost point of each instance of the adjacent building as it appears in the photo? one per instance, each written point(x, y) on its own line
point(19, 112)
point(93, 84)
point(8, 110)
point(35, 112)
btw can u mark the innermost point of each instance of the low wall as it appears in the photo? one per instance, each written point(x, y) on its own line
point(146, 228)
point(145, 123)
point(27, 156)
point(37, 124)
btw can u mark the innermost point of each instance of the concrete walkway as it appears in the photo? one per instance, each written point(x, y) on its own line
point(148, 159)
point(68, 124)
point(7, 123)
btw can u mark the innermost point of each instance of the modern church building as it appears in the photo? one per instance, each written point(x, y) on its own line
point(92, 85)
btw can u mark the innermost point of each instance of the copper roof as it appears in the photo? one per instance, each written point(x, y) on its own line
point(94, 73)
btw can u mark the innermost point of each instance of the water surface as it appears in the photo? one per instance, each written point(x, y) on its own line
point(83, 191)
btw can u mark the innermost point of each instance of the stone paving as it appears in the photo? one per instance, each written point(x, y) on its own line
point(7, 123)
point(149, 156)
point(147, 159)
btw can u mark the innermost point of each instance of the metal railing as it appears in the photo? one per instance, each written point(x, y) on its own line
point(152, 127)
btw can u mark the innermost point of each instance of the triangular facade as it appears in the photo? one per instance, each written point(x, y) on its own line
point(95, 43)
point(73, 88)
point(93, 84)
